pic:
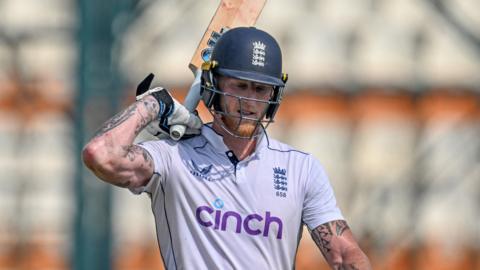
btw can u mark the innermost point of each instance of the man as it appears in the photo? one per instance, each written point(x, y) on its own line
point(230, 197)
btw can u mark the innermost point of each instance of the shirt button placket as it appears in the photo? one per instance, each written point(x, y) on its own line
point(240, 176)
point(233, 159)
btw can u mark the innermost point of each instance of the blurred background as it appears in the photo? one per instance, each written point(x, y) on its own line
point(384, 92)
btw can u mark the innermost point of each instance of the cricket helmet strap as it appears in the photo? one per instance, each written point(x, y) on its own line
point(245, 53)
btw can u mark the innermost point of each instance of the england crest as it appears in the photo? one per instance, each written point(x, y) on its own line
point(280, 183)
point(258, 54)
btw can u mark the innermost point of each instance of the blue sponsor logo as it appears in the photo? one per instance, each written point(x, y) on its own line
point(218, 203)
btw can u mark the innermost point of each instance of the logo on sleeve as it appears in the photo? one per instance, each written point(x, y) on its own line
point(280, 183)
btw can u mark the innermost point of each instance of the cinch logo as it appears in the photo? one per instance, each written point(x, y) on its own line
point(252, 224)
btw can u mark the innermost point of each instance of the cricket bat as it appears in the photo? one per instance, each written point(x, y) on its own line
point(229, 14)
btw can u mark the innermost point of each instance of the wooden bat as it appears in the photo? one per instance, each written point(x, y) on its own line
point(229, 14)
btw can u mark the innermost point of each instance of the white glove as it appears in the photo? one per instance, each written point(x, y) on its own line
point(170, 112)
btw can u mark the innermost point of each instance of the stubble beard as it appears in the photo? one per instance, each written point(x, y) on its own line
point(243, 128)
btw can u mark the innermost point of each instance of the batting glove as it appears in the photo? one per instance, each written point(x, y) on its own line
point(171, 112)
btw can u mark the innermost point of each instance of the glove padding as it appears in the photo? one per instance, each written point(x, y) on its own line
point(171, 112)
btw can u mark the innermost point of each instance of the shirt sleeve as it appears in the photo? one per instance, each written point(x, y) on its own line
point(161, 153)
point(320, 205)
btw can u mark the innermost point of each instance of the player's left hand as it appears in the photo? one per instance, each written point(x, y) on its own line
point(171, 112)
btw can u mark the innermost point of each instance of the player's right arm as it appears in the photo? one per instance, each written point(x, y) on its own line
point(111, 154)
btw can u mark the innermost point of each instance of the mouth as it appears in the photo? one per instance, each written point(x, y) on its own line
point(245, 113)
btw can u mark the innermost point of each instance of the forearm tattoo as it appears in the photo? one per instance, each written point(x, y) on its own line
point(119, 162)
point(151, 106)
point(322, 235)
point(341, 226)
point(116, 120)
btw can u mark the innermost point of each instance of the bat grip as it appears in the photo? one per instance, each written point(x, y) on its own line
point(191, 102)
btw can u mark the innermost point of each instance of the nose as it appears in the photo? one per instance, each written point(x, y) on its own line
point(251, 93)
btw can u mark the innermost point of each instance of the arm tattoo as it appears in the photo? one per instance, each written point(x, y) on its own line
point(152, 110)
point(125, 154)
point(326, 237)
point(151, 107)
point(117, 120)
point(341, 226)
point(133, 151)
point(141, 125)
point(322, 235)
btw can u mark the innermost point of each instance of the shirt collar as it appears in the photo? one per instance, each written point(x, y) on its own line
point(216, 140)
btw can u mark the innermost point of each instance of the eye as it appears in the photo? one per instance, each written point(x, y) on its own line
point(241, 85)
point(263, 90)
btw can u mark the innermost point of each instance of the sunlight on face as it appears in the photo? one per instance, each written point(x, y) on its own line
point(237, 108)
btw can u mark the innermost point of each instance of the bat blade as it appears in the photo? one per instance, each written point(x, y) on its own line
point(229, 14)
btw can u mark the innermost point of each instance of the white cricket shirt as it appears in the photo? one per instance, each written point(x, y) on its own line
point(215, 212)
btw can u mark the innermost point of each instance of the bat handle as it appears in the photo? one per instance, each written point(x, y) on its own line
point(191, 102)
point(177, 131)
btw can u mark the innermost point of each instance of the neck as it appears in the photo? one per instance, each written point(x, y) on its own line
point(241, 147)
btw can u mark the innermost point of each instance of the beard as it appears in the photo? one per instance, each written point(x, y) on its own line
point(243, 128)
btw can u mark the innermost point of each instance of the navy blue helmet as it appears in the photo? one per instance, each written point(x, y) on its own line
point(245, 53)
point(249, 54)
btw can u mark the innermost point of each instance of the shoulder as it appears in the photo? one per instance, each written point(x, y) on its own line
point(280, 147)
point(190, 142)
point(174, 148)
point(156, 144)
point(309, 161)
